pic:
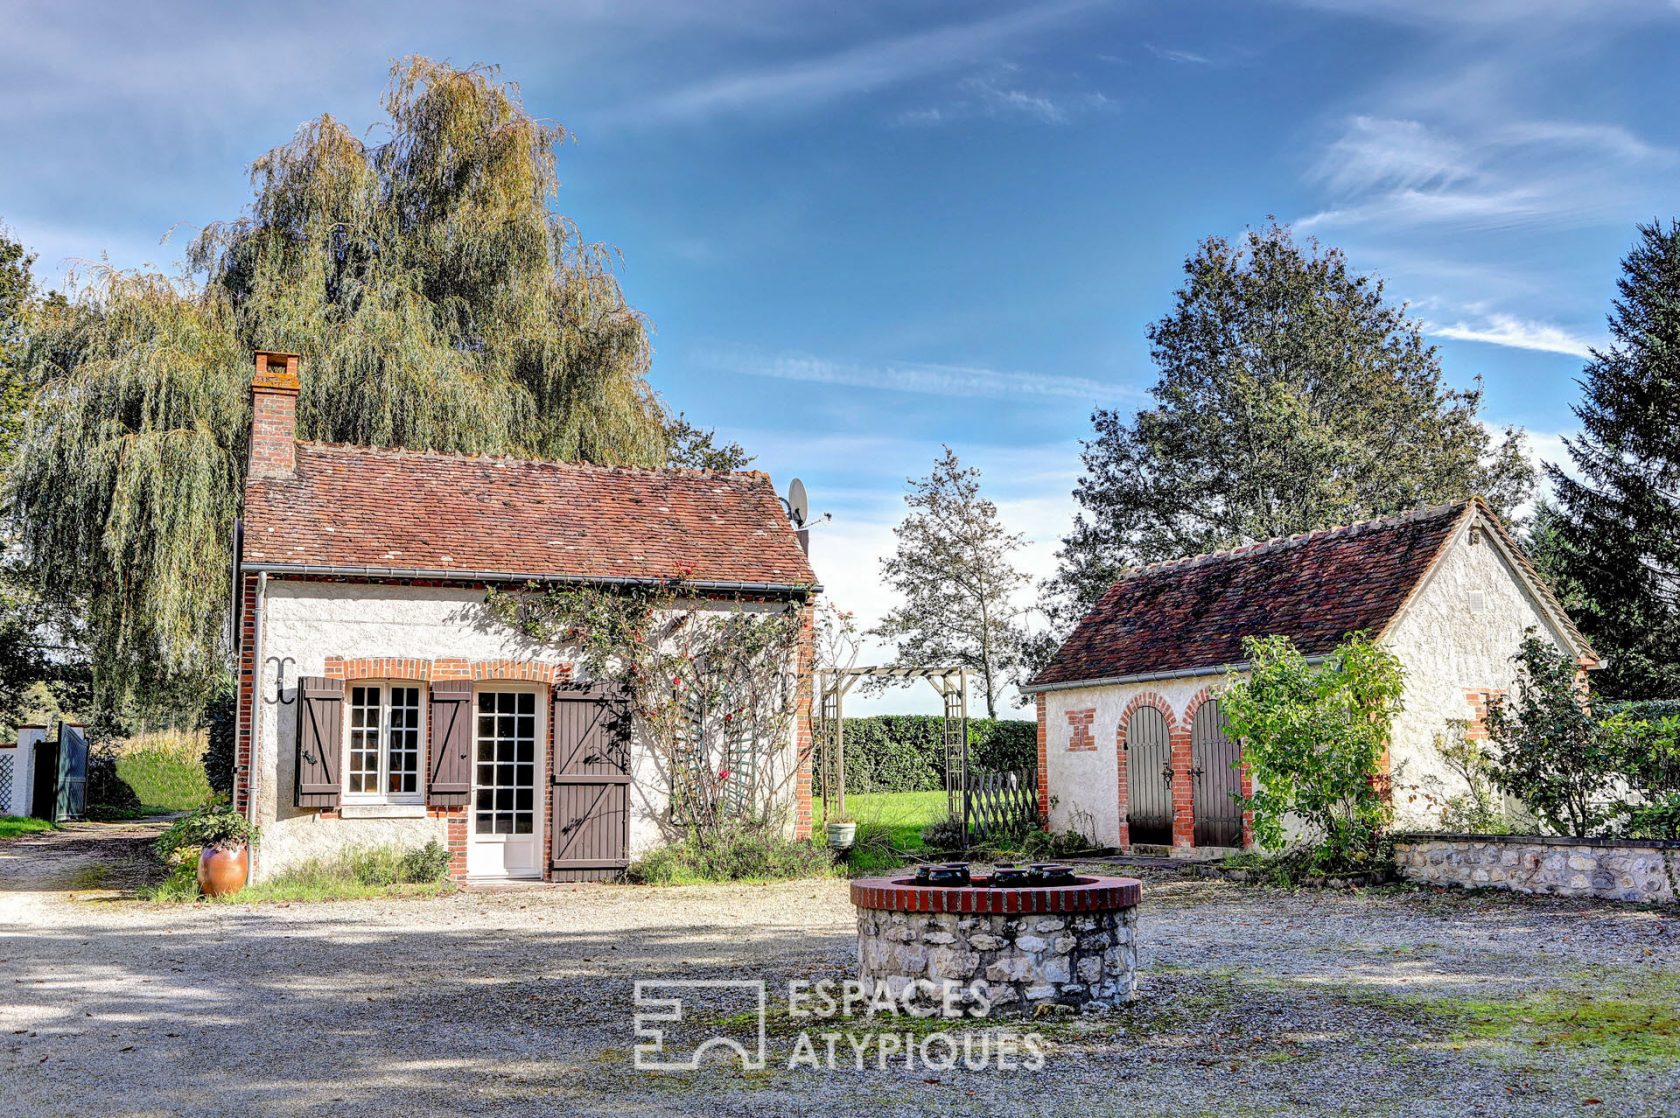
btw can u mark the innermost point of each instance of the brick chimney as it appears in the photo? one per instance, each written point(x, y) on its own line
point(274, 392)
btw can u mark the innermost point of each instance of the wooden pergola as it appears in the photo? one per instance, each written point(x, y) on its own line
point(951, 684)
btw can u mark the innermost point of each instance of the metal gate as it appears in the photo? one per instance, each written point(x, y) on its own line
point(1213, 770)
point(589, 836)
point(1149, 777)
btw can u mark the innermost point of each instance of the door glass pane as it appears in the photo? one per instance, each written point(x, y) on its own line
point(505, 803)
point(403, 738)
point(363, 773)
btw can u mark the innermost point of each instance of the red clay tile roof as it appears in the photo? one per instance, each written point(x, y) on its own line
point(410, 510)
point(1314, 588)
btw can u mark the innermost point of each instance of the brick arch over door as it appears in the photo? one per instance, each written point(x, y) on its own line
point(1147, 759)
point(1214, 818)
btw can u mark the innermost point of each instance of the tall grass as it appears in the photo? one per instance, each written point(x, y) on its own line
point(359, 873)
point(166, 770)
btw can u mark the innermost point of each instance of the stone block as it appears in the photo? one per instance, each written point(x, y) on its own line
point(1030, 943)
point(1090, 969)
point(1050, 924)
point(1012, 966)
point(985, 941)
point(938, 939)
point(952, 962)
point(1056, 969)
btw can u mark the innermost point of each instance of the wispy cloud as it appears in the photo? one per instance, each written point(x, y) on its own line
point(1167, 54)
point(1516, 333)
point(859, 69)
point(910, 376)
point(1404, 172)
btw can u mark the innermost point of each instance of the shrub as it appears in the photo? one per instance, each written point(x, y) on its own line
point(1479, 809)
point(219, 718)
point(1313, 738)
point(216, 827)
point(872, 849)
point(1645, 754)
point(734, 852)
point(945, 835)
point(906, 752)
point(1552, 754)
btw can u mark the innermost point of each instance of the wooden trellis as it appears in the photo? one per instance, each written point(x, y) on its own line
point(951, 684)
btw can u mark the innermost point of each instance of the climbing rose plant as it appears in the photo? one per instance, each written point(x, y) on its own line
point(712, 684)
point(1313, 737)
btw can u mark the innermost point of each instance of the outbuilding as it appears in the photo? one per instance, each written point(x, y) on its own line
point(381, 701)
point(1130, 739)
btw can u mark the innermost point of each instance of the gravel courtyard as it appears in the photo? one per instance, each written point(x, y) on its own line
point(1253, 1001)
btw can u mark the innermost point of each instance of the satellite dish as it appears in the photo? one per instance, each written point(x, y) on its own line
point(799, 505)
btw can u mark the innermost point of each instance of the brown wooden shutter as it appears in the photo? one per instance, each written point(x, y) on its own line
point(452, 737)
point(320, 736)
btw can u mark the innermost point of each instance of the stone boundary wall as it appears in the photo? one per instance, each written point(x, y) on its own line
point(1610, 869)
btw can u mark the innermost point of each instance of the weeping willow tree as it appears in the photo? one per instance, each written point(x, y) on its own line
point(438, 302)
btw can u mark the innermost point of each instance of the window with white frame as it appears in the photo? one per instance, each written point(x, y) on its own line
point(383, 742)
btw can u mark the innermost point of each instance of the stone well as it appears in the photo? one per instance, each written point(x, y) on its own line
point(1073, 945)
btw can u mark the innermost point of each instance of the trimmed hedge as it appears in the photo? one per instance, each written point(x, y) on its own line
point(904, 752)
point(1646, 710)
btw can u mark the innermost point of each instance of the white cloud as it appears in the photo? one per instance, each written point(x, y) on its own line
point(909, 376)
point(1184, 56)
point(859, 69)
point(1516, 333)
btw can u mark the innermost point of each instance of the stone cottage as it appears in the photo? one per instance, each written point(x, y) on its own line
point(1130, 739)
point(381, 702)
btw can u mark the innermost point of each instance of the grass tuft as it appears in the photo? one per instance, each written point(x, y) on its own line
point(356, 874)
point(744, 854)
point(11, 826)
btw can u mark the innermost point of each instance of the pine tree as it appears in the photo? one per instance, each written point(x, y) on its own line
point(1621, 528)
point(1291, 396)
point(954, 574)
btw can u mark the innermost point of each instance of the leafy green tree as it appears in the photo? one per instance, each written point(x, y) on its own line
point(1619, 543)
point(16, 291)
point(697, 448)
point(1313, 738)
point(1551, 753)
point(1292, 395)
point(437, 301)
point(955, 576)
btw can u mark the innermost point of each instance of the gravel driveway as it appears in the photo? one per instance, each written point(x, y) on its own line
point(1253, 1001)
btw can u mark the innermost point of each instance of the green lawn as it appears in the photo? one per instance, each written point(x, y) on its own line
point(901, 815)
point(11, 826)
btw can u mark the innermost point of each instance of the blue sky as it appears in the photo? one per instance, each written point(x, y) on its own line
point(863, 230)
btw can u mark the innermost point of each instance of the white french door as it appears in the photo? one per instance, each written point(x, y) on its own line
point(505, 824)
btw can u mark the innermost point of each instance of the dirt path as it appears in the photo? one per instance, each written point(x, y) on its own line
point(520, 1002)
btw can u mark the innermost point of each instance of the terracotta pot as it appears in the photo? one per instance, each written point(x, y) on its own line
point(222, 871)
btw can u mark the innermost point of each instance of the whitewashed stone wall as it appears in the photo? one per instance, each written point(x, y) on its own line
point(1447, 648)
point(1089, 780)
point(305, 622)
point(1447, 645)
point(1606, 868)
point(1087, 959)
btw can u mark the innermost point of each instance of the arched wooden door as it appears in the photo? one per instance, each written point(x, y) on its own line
point(1149, 777)
point(1214, 776)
